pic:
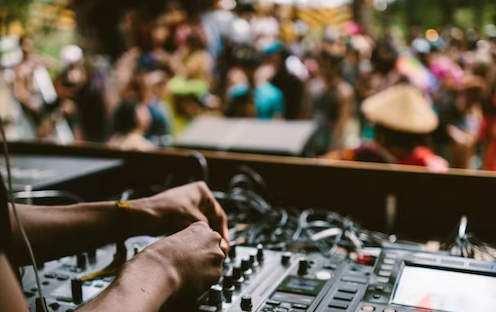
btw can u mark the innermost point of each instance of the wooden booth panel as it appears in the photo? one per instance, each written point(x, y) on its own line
point(422, 205)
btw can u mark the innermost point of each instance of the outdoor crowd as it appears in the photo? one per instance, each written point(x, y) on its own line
point(428, 99)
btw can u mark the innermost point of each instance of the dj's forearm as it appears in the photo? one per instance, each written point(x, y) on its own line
point(55, 232)
point(145, 283)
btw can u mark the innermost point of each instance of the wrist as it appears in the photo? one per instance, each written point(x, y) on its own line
point(145, 218)
point(165, 263)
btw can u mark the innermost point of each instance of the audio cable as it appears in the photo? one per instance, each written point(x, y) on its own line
point(18, 220)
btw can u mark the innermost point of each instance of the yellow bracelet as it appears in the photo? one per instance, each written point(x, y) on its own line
point(123, 205)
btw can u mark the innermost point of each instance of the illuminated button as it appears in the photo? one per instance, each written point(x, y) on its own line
point(383, 280)
point(300, 306)
point(385, 273)
point(389, 310)
point(323, 275)
point(387, 267)
point(389, 261)
point(207, 308)
point(368, 308)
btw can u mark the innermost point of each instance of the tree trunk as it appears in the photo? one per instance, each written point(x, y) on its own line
point(479, 6)
point(448, 7)
point(362, 14)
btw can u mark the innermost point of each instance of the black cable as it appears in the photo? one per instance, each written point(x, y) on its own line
point(202, 161)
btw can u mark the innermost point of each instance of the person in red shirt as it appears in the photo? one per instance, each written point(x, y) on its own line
point(403, 120)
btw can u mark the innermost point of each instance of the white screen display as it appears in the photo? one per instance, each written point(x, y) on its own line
point(445, 291)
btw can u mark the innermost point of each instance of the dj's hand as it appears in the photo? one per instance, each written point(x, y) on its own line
point(195, 256)
point(176, 209)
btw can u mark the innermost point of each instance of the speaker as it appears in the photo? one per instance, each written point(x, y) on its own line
point(269, 137)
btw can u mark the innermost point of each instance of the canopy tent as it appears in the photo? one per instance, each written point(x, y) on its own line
point(319, 13)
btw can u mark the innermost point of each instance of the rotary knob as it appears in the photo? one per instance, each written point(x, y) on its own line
point(260, 253)
point(232, 252)
point(215, 295)
point(254, 261)
point(227, 282)
point(40, 304)
point(246, 265)
point(238, 276)
point(246, 303)
point(246, 268)
point(81, 261)
point(228, 287)
point(77, 291)
point(92, 256)
point(286, 258)
point(303, 267)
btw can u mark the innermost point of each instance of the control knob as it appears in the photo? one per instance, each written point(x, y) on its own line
point(254, 261)
point(215, 295)
point(41, 304)
point(238, 276)
point(303, 267)
point(286, 258)
point(232, 252)
point(260, 253)
point(228, 287)
point(81, 261)
point(77, 291)
point(92, 256)
point(246, 267)
point(246, 303)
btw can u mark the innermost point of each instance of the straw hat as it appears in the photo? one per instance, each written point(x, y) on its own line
point(401, 108)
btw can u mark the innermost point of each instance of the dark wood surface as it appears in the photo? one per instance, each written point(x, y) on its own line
point(428, 205)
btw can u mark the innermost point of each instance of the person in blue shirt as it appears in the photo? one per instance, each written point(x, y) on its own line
point(248, 96)
point(161, 127)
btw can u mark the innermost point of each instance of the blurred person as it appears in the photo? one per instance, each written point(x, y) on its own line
point(246, 74)
point(217, 25)
point(287, 18)
point(175, 19)
point(403, 120)
point(131, 122)
point(264, 25)
point(297, 46)
point(161, 127)
point(186, 100)
point(289, 84)
point(197, 62)
point(332, 103)
point(27, 89)
point(489, 130)
point(81, 89)
point(384, 75)
point(350, 67)
point(466, 130)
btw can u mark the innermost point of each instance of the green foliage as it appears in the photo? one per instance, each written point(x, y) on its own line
point(14, 10)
